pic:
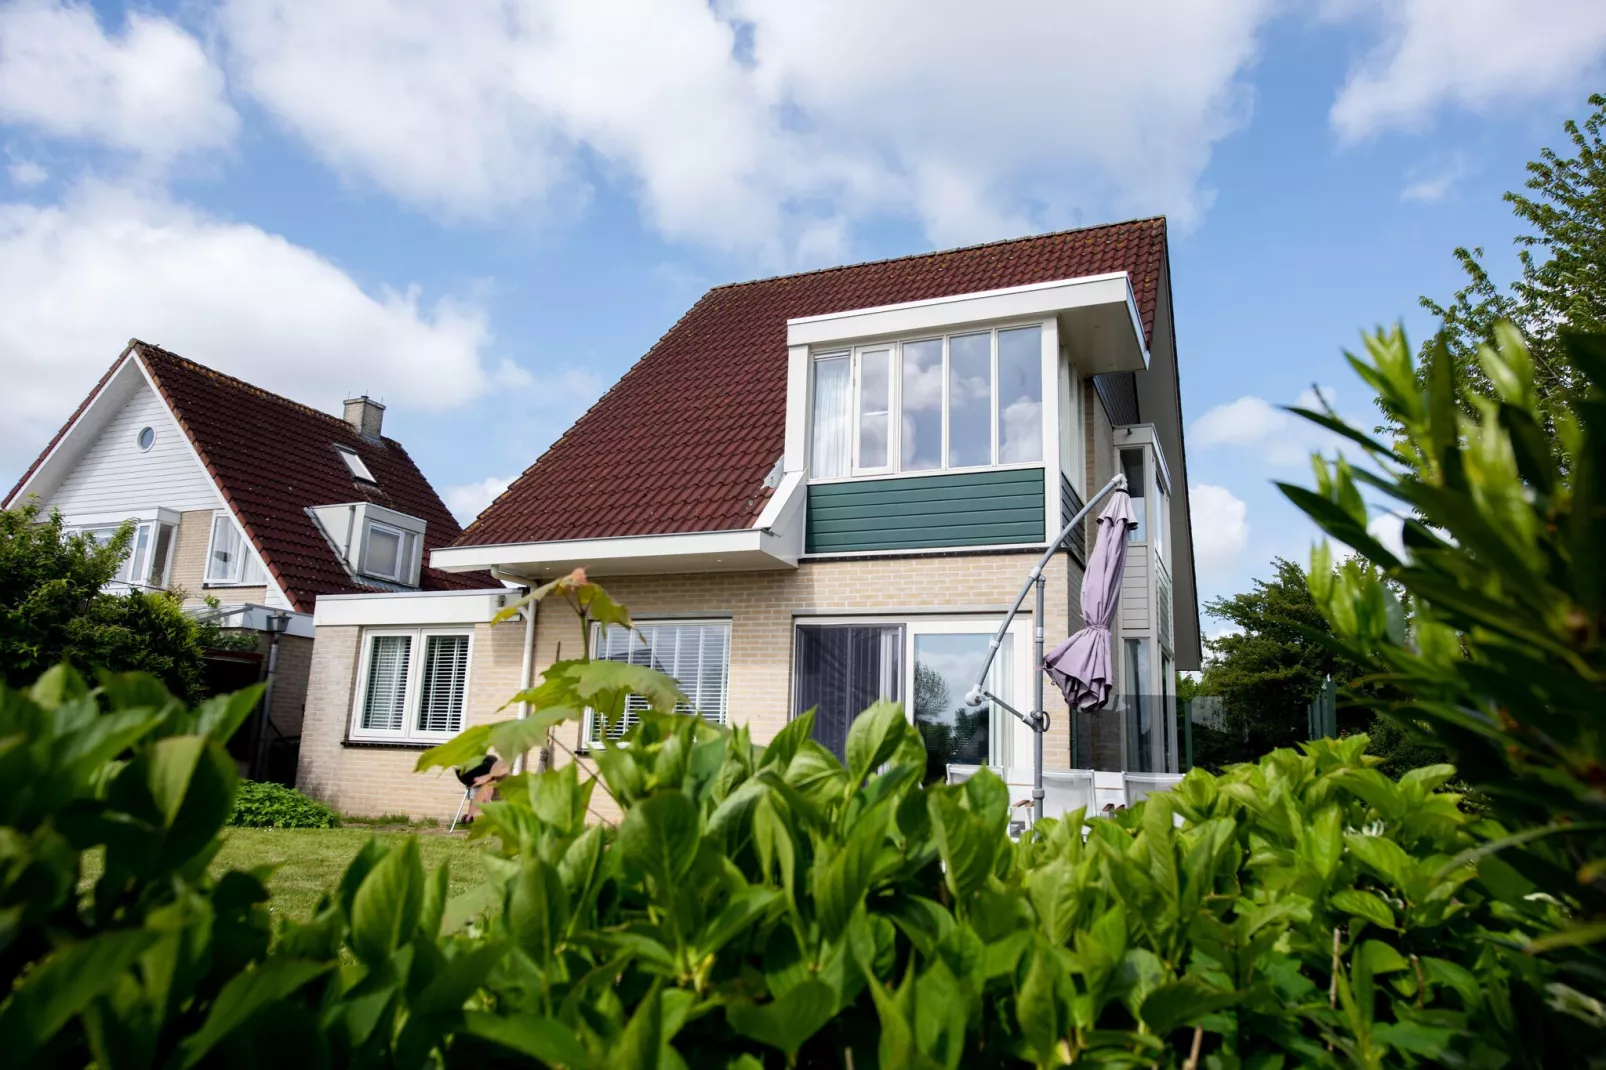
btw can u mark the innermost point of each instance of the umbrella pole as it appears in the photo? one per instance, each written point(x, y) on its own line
point(1039, 716)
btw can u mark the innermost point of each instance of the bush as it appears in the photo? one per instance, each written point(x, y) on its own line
point(759, 906)
point(54, 606)
point(1500, 661)
point(266, 805)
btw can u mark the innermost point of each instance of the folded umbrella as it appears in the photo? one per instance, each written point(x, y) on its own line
point(1080, 666)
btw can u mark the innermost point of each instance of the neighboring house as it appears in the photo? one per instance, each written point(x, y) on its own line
point(813, 492)
point(245, 497)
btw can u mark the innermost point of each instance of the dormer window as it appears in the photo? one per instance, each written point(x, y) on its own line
point(376, 543)
point(356, 465)
point(967, 400)
point(388, 553)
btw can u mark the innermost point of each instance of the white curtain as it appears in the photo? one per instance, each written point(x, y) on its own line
point(833, 414)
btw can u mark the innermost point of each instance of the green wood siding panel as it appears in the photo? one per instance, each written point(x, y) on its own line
point(926, 512)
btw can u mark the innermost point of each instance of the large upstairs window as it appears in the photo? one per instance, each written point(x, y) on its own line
point(966, 400)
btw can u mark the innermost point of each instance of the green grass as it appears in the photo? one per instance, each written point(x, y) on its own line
point(311, 861)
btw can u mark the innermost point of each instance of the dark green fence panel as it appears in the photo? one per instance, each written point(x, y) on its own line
point(926, 512)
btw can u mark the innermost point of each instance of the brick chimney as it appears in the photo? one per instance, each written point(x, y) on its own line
point(366, 415)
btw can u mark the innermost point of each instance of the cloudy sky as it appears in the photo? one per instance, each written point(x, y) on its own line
point(484, 212)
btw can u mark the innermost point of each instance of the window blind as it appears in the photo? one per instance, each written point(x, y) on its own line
point(440, 706)
point(385, 698)
point(697, 656)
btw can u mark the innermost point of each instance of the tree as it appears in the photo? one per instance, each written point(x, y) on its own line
point(54, 606)
point(1563, 280)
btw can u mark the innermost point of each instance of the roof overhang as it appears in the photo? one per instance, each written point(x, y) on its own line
point(775, 541)
point(1097, 314)
point(409, 608)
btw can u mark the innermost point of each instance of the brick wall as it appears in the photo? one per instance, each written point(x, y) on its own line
point(375, 780)
point(761, 605)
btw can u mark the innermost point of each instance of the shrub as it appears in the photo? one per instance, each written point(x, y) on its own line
point(758, 906)
point(266, 805)
point(54, 606)
point(1501, 661)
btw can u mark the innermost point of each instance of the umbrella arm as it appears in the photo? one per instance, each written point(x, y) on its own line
point(1030, 720)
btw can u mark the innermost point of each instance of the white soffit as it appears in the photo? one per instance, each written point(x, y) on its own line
point(1098, 317)
point(745, 550)
point(410, 608)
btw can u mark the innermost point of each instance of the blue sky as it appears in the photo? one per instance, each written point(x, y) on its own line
point(484, 213)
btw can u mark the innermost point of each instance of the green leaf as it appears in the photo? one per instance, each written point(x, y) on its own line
point(1365, 905)
point(740, 912)
point(787, 740)
point(641, 1044)
point(1056, 899)
point(244, 995)
point(842, 879)
point(537, 908)
point(1382, 856)
point(171, 763)
point(550, 1041)
point(1037, 1007)
point(460, 752)
point(788, 1022)
point(966, 844)
point(660, 835)
point(1172, 1006)
point(872, 738)
point(62, 985)
point(385, 911)
point(457, 982)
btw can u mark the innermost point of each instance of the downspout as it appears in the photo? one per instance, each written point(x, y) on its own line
point(526, 666)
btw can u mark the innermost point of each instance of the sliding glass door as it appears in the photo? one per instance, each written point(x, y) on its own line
point(929, 665)
point(841, 670)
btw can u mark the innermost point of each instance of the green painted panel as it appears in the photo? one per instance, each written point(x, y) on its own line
point(926, 512)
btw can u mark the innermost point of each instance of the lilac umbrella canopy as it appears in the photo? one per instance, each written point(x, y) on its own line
point(1080, 666)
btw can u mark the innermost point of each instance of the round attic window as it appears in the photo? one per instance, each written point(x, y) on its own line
point(146, 438)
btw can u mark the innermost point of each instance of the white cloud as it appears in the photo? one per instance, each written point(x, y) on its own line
point(149, 90)
point(1279, 438)
point(469, 500)
point(761, 123)
point(26, 173)
point(79, 278)
point(1474, 54)
point(1220, 529)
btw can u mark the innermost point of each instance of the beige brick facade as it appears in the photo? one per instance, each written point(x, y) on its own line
point(762, 607)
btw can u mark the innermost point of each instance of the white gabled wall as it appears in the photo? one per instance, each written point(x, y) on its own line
point(114, 475)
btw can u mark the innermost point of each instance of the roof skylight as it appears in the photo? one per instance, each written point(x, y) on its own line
point(359, 470)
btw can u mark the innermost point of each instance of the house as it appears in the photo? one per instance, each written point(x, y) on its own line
point(246, 498)
point(814, 491)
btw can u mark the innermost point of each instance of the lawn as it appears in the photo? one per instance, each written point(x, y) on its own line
point(311, 861)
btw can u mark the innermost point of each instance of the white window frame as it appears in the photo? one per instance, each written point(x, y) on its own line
point(356, 465)
point(406, 550)
point(252, 559)
point(1007, 747)
point(1050, 436)
point(125, 577)
point(589, 735)
point(408, 733)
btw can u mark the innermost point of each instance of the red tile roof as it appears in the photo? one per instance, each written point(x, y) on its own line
point(273, 458)
point(684, 441)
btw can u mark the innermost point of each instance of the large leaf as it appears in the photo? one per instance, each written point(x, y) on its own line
point(1172, 1006)
point(552, 1042)
point(788, 1022)
point(387, 905)
point(245, 995)
point(872, 738)
point(62, 985)
point(660, 835)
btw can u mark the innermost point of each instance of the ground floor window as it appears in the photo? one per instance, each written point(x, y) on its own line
point(695, 653)
point(413, 685)
point(929, 665)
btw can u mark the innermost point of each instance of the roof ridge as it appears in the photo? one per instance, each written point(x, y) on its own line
point(940, 252)
point(194, 366)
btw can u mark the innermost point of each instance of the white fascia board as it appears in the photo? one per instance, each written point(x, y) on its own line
point(141, 514)
point(746, 548)
point(1014, 302)
point(410, 608)
point(102, 408)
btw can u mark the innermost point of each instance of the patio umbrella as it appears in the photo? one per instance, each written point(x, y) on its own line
point(1080, 666)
